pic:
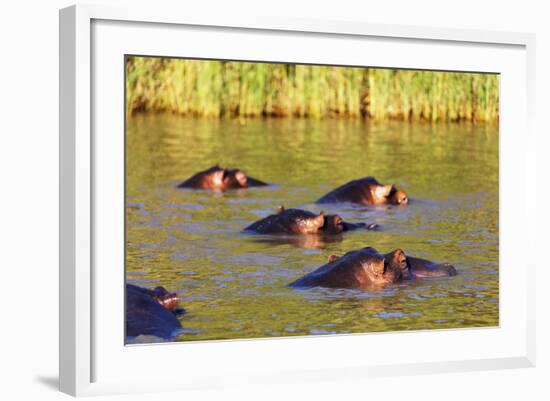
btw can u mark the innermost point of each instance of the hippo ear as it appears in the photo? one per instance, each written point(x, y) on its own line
point(332, 258)
point(399, 255)
point(280, 209)
point(241, 178)
point(399, 258)
point(382, 191)
point(319, 220)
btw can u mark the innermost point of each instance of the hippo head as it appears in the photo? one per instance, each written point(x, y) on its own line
point(384, 269)
point(304, 224)
point(301, 222)
point(167, 299)
point(398, 259)
point(389, 194)
point(218, 178)
point(234, 179)
point(333, 224)
point(398, 197)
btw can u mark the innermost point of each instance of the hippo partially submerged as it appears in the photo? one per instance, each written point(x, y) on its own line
point(298, 221)
point(366, 269)
point(366, 191)
point(220, 179)
point(151, 312)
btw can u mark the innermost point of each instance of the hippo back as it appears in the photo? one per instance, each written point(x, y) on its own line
point(356, 191)
point(284, 222)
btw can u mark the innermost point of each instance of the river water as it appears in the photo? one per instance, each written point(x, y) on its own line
point(233, 285)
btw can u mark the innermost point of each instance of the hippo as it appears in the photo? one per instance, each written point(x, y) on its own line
point(221, 179)
point(151, 312)
point(368, 269)
point(366, 191)
point(298, 221)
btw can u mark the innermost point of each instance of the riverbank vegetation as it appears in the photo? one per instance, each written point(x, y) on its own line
point(243, 89)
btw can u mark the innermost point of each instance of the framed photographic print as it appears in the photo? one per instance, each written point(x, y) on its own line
point(267, 199)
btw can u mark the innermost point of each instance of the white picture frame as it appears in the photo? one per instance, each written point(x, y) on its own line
point(90, 360)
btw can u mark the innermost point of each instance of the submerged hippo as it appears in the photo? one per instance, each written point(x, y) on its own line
point(221, 179)
point(366, 191)
point(151, 312)
point(298, 221)
point(366, 268)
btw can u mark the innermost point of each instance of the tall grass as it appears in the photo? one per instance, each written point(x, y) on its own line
point(243, 89)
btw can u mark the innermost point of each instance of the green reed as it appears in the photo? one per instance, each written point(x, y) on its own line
point(243, 89)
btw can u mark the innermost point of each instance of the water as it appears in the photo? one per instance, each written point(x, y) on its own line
point(233, 285)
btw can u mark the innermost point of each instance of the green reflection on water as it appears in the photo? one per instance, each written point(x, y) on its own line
point(233, 285)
